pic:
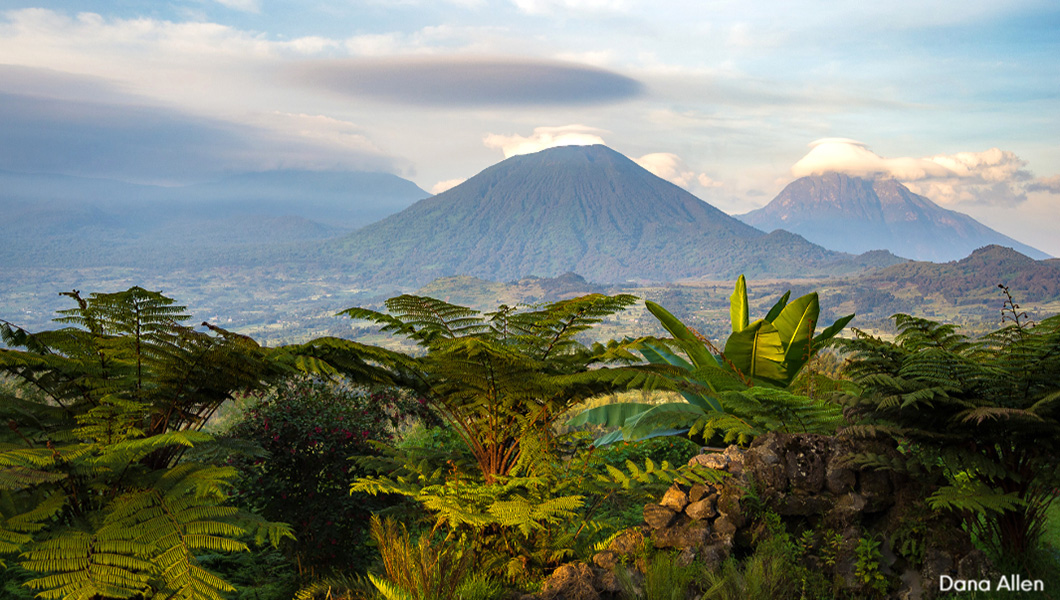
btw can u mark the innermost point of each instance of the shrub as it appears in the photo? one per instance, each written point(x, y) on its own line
point(309, 429)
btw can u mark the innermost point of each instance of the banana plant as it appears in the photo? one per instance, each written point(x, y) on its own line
point(768, 352)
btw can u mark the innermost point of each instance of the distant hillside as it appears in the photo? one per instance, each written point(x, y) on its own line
point(582, 209)
point(61, 221)
point(488, 295)
point(852, 214)
point(346, 199)
point(975, 278)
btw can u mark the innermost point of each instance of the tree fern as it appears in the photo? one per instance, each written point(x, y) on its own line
point(982, 413)
point(94, 495)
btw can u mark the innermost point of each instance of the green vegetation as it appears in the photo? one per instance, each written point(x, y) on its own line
point(306, 432)
point(981, 413)
point(737, 393)
point(100, 490)
point(500, 381)
point(111, 486)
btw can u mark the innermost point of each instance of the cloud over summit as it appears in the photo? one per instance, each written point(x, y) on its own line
point(991, 177)
point(543, 138)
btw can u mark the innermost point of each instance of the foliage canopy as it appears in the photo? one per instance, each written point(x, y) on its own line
point(985, 413)
point(98, 495)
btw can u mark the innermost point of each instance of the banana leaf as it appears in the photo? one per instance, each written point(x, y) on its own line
point(609, 415)
point(757, 351)
point(696, 351)
point(738, 311)
point(661, 419)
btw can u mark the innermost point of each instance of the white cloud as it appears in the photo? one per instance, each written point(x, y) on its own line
point(848, 156)
point(548, 7)
point(670, 167)
point(707, 182)
point(994, 176)
point(446, 185)
point(544, 137)
point(253, 6)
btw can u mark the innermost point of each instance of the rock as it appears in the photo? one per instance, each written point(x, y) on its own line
point(699, 491)
point(875, 486)
point(729, 505)
point(974, 565)
point(847, 509)
point(802, 505)
point(684, 535)
point(713, 555)
point(838, 479)
point(675, 498)
point(724, 528)
point(606, 581)
point(658, 516)
point(910, 588)
point(686, 557)
point(570, 582)
point(626, 543)
point(804, 464)
point(937, 562)
point(713, 460)
point(605, 560)
point(703, 509)
point(762, 461)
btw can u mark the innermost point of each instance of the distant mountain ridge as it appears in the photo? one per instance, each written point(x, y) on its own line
point(66, 221)
point(976, 276)
point(853, 214)
point(582, 209)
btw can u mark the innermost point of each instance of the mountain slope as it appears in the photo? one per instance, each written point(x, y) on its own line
point(852, 214)
point(64, 221)
point(976, 277)
point(583, 209)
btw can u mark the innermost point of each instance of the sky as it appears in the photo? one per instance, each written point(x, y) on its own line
point(732, 100)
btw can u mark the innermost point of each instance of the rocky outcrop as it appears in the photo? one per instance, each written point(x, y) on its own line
point(807, 481)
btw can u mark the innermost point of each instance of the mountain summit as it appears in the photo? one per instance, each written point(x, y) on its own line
point(852, 214)
point(583, 209)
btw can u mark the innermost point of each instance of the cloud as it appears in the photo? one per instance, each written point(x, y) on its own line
point(670, 167)
point(446, 185)
point(848, 156)
point(1049, 185)
point(466, 81)
point(253, 6)
point(127, 140)
point(544, 137)
point(993, 177)
point(549, 7)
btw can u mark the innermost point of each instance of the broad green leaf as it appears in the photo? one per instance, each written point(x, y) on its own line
point(660, 355)
point(831, 331)
point(609, 415)
point(796, 324)
point(738, 306)
point(703, 401)
point(661, 419)
point(779, 306)
point(697, 352)
point(609, 438)
point(757, 351)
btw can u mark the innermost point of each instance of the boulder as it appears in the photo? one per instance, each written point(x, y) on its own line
point(675, 498)
point(658, 516)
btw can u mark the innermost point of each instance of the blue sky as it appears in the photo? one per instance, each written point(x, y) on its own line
point(960, 100)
